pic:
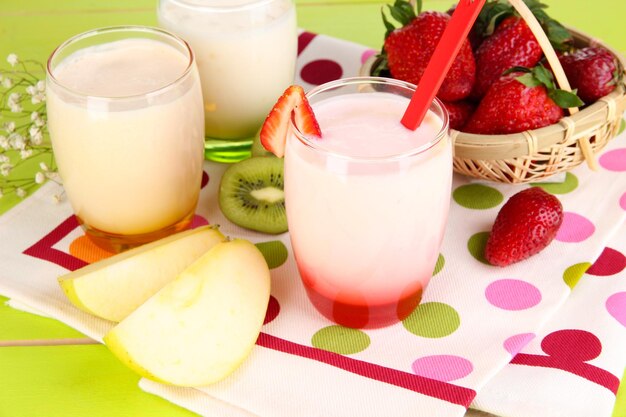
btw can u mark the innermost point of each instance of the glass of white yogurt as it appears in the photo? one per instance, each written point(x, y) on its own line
point(246, 53)
point(126, 121)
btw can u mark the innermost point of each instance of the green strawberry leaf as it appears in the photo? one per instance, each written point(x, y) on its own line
point(559, 36)
point(419, 6)
point(402, 12)
point(543, 76)
point(493, 12)
point(535, 5)
point(565, 99)
point(388, 25)
point(517, 69)
point(490, 15)
point(380, 67)
point(528, 80)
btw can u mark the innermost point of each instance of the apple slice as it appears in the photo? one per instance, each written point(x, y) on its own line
point(200, 327)
point(114, 287)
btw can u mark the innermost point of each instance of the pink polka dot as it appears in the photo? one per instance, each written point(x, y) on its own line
point(367, 54)
point(616, 306)
point(622, 201)
point(321, 71)
point(614, 160)
point(442, 367)
point(610, 262)
point(575, 228)
point(515, 343)
point(512, 294)
point(198, 221)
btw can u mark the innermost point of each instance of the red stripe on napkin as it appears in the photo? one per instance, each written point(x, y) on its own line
point(43, 249)
point(569, 350)
point(431, 387)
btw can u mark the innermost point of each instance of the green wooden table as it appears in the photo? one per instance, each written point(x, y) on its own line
point(48, 369)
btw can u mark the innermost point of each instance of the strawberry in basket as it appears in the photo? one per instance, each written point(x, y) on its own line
point(507, 41)
point(593, 71)
point(522, 99)
point(408, 49)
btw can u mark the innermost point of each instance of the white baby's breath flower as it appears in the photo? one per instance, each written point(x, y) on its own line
point(5, 169)
point(33, 131)
point(26, 153)
point(17, 141)
point(19, 134)
point(13, 59)
point(40, 178)
point(37, 139)
point(15, 108)
point(38, 98)
point(14, 98)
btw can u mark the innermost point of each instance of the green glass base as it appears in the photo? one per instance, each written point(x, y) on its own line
point(228, 151)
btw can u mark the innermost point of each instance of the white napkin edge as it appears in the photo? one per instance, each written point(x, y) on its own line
point(20, 306)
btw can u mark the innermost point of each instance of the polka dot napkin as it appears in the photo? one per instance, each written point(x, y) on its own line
point(515, 341)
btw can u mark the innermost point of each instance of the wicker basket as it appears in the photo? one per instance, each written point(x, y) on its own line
point(537, 154)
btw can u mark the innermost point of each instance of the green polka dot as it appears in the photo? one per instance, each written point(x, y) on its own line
point(275, 253)
point(477, 196)
point(569, 185)
point(574, 273)
point(476, 246)
point(441, 261)
point(341, 340)
point(433, 320)
point(622, 126)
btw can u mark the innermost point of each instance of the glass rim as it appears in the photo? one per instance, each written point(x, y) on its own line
point(113, 29)
point(252, 4)
point(316, 144)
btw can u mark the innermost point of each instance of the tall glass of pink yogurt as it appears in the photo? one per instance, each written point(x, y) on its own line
point(126, 121)
point(367, 203)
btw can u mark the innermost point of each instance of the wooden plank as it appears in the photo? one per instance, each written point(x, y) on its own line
point(73, 381)
point(23, 327)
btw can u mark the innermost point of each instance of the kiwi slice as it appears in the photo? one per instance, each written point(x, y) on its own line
point(252, 196)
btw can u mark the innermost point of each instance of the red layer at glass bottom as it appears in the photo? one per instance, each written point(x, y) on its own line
point(363, 315)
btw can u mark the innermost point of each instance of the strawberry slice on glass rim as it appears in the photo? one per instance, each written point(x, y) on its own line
point(276, 126)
